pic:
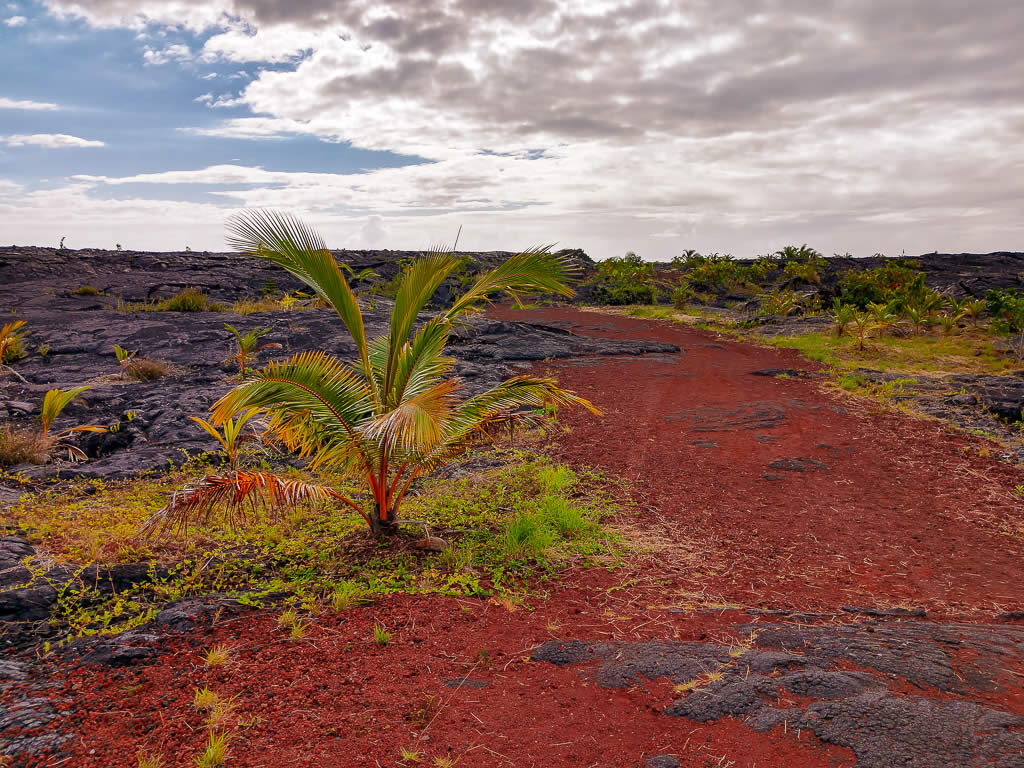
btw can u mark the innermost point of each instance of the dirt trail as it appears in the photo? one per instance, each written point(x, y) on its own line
point(795, 497)
point(766, 493)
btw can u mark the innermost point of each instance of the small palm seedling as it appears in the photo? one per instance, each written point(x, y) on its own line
point(217, 655)
point(974, 309)
point(842, 315)
point(918, 318)
point(388, 417)
point(124, 357)
point(230, 436)
point(783, 303)
point(247, 346)
point(381, 636)
point(54, 402)
point(11, 347)
point(216, 752)
point(884, 316)
point(862, 323)
point(948, 322)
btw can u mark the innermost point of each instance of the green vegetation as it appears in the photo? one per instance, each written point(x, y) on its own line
point(246, 346)
point(87, 290)
point(37, 446)
point(317, 556)
point(385, 420)
point(188, 300)
point(11, 346)
point(625, 280)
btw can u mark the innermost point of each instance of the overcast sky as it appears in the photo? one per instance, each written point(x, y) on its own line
point(722, 125)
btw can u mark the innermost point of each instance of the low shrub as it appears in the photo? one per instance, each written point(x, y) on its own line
point(87, 290)
point(189, 300)
point(144, 369)
point(22, 446)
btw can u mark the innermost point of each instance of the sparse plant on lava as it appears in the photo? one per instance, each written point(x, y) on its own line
point(390, 416)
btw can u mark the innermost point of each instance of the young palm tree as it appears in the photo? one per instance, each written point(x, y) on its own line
point(390, 416)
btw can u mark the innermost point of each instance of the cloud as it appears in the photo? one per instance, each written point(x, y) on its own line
point(862, 126)
point(48, 140)
point(177, 52)
point(29, 105)
point(15, 21)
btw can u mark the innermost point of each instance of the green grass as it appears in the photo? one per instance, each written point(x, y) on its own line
point(508, 528)
point(972, 352)
point(87, 290)
point(188, 300)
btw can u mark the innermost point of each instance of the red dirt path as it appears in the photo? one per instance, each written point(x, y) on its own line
point(906, 513)
point(902, 515)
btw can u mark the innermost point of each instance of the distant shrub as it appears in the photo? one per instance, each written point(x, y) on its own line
point(625, 280)
point(805, 272)
point(892, 281)
point(1006, 309)
point(87, 290)
point(682, 295)
point(189, 300)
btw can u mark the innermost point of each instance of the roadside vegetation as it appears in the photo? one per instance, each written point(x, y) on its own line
point(510, 520)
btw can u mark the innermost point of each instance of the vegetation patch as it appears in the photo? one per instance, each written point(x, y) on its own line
point(506, 527)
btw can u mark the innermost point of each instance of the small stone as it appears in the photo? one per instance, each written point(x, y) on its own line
point(431, 544)
point(662, 761)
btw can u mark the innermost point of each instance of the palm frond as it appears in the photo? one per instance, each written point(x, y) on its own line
point(237, 497)
point(417, 423)
point(313, 383)
point(286, 241)
point(55, 401)
point(510, 401)
point(419, 364)
point(418, 285)
point(533, 271)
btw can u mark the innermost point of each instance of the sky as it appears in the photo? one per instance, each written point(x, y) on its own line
point(653, 126)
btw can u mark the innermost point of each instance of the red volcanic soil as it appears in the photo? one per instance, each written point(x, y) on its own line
point(753, 492)
point(888, 510)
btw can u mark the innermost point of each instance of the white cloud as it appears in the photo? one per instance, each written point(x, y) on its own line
point(218, 101)
point(852, 126)
point(48, 140)
point(15, 21)
point(176, 52)
point(25, 104)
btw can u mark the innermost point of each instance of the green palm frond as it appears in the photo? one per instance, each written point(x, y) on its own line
point(284, 240)
point(533, 271)
point(418, 285)
point(55, 401)
point(418, 423)
point(310, 385)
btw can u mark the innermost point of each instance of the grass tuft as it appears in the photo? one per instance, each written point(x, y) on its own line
point(147, 760)
point(217, 655)
point(22, 446)
point(527, 536)
point(144, 369)
point(205, 700)
point(381, 636)
point(216, 752)
point(348, 594)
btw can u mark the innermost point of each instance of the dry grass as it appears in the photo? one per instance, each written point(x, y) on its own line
point(23, 446)
point(144, 369)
